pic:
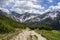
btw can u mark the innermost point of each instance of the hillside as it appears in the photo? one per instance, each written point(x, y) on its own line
point(9, 25)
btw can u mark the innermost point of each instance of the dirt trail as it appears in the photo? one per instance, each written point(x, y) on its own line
point(26, 33)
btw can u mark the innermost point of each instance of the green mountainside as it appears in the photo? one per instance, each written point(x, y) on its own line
point(9, 25)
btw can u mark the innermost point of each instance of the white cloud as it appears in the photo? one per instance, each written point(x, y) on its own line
point(50, 0)
point(4, 3)
point(22, 6)
point(27, 6)
point(58, 3)
point(53, 8)
point(5, 10)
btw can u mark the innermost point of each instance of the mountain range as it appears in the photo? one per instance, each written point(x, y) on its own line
point(35, 17)
point(50, 17)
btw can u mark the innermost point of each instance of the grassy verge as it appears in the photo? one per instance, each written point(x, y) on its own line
point(30, 37)
point(8, 36)
point(35, 37)
point(50, 34)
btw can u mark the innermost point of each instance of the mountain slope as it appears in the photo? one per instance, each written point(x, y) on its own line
point(51, 15)
point(35, 17)
point(23, 17)
point(7, 24)
point(49, 18)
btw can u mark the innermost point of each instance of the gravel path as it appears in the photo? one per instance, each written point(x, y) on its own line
point(26, 33)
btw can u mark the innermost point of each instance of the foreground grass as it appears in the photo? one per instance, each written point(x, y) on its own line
point(8, 36)
point(30, 37)
point(35, 37)
point(50, 34)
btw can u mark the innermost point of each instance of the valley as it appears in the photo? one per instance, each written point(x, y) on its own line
point(40, 27)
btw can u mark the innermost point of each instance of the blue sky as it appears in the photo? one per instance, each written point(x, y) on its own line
point(31, 6)
point(47, 4)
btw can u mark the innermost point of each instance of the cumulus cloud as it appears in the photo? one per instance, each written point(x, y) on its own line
point(50, 0)
point(58, 3)
point(53, 8)
point(27, 6)
point(4, 3)
point(22, 6)
point(5, 10)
